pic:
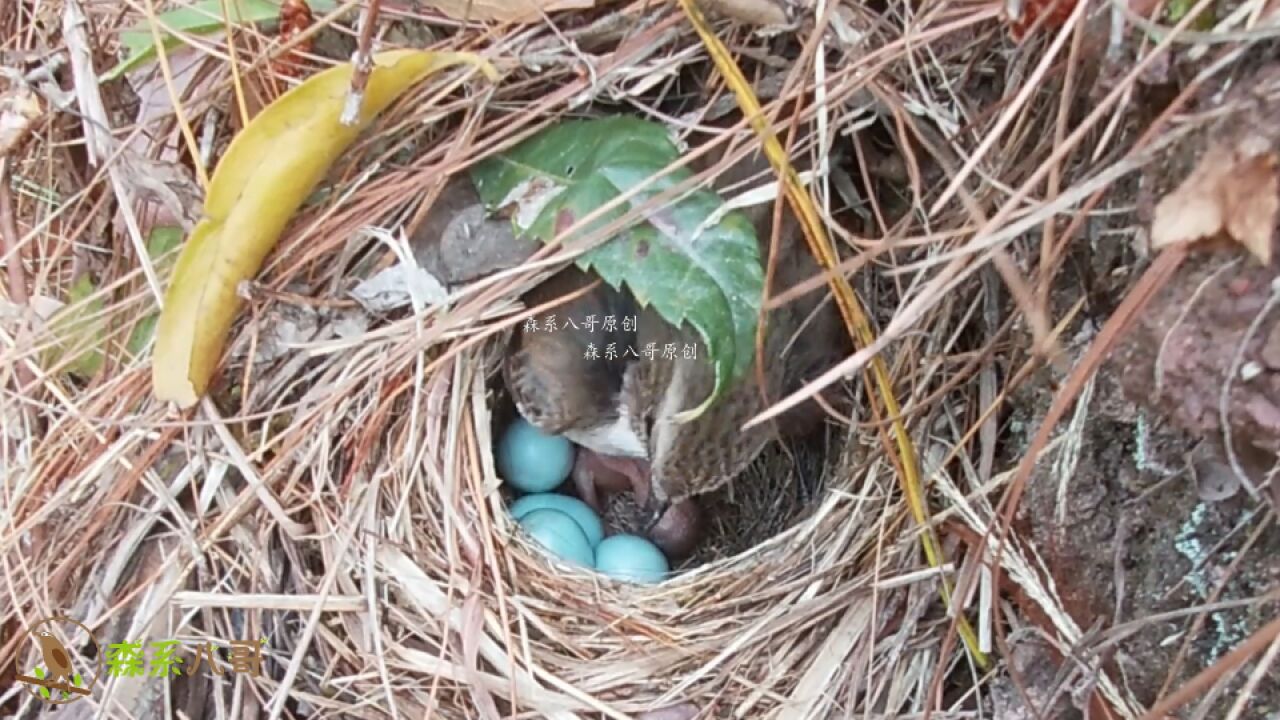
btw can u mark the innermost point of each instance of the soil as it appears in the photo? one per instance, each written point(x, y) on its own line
point(1127, 536)
point(1141, 516)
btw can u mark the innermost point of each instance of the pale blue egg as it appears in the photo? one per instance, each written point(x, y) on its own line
point(531, 460)
point(560, 534)
point(571, 506)
point(630, 557)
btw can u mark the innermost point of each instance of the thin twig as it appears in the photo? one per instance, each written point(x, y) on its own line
point(363, 62)
point(1260, 639)
point(9, 229)
point(18, 294)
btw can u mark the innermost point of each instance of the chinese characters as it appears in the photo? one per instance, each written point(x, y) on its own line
point(610, 350)
point(650, 351)
point(130, 659)
point(589, 323)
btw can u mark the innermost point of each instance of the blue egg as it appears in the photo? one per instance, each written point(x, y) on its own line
point(560, 534)
point(630, 557)
point(571, 506)
point(531, 460)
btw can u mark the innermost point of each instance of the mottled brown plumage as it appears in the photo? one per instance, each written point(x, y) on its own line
point(801, 339)
point(562, 389)
point(677, 532)
point(559, 391)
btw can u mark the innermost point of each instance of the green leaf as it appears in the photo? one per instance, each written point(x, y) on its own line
point(708, 275)
point(160, 246)
point(38, 672)
point(199, 18)
point(80, 327)
point(1178, 9)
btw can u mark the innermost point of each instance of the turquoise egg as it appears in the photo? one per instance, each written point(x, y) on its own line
point(531, 460)
point(571, 506)
point(630, 557)
point(560, 534)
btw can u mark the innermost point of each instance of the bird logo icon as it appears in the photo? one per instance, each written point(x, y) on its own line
point(56, 657)
point(59, 676)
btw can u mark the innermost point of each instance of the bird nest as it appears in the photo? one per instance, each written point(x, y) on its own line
point(337, 495)
point(781, 560)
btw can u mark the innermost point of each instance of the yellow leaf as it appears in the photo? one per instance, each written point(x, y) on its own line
point(1232, 190)
point(267, 172)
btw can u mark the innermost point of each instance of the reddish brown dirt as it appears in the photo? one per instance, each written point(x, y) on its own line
point(1150, 524)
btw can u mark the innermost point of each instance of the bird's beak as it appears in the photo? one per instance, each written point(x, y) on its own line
point(654, 510)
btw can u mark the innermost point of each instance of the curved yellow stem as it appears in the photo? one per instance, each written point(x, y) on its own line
point(855, 319)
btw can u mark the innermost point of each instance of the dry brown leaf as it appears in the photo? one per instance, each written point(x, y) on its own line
point(19, 109)
point(1232, 190)
point(519, 11)
point(752, 12)
point(1253, 198)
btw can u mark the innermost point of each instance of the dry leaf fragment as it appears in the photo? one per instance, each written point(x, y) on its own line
point(1232, 190)
point(399, 286)
point(459, 242)
point(752, 12)
point(1253, 198)
point(1057, 10)
point(19, 109)
point(516, 11)
point(295, 18)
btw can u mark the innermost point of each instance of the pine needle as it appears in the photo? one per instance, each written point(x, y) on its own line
point(850, 309)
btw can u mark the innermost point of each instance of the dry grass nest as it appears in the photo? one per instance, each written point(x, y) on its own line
point(337, 496)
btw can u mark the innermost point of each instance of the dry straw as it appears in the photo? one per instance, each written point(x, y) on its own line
point(339, 497)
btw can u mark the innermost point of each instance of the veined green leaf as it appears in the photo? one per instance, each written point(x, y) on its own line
point(199, 18)
point(708, 275)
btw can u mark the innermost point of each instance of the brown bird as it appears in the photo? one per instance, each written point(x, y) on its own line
point(801, 339)
point(623, 413)
point(56, 658)
point(564, 388)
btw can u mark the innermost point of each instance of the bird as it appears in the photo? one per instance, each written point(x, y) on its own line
point(699, 456)
point(801, 339)
point(56, 658)
point(623, 412)
point(561, 389)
